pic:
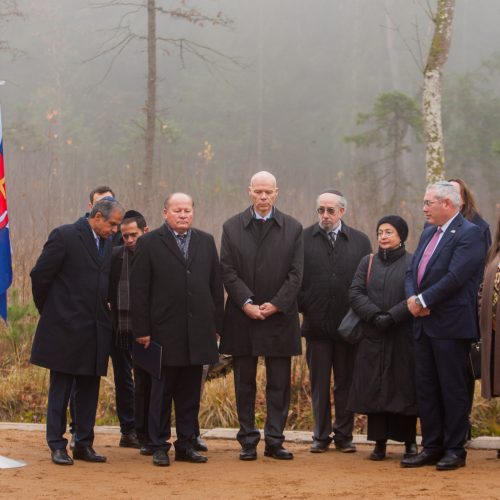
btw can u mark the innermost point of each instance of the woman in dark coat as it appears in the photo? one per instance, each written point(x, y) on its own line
point(384, 382)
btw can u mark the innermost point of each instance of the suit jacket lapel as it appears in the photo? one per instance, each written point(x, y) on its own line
point(88, 240)
point(168, 239)
point(447, 236)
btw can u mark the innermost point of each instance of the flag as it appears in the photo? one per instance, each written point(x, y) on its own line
point(5, 252)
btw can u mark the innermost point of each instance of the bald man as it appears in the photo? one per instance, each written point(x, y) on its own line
point(261, 260)
point(177, 300)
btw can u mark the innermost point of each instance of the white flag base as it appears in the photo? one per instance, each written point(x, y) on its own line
point(9, 463)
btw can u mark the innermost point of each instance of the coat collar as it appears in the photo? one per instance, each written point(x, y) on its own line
point(247, 216)
point(83, 227)
point(169, 240)
point(345, 231)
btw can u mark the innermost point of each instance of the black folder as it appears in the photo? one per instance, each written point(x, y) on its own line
point(148, 359)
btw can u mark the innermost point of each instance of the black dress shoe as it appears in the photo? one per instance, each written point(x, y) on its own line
point(378, 452)
point(190, 455)
point(278, 452)
point(199, 444)
point(61, 457)
point(319, 446)
point(345, 446)
point(129, 441)
point(160, 457)
point(146, 450)
point(248, 453)
point(88, 454)
point(423, 458)
point(411, 450)
point(450, 462)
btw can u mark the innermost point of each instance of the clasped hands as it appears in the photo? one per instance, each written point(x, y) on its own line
point(415, 309)
point(261, 312)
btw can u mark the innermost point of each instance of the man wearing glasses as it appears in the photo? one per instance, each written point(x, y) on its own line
point(332, 251)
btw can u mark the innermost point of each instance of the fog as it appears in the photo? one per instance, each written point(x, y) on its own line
point(279, 88)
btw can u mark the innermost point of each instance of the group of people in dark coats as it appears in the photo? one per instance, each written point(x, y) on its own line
point(168, 290)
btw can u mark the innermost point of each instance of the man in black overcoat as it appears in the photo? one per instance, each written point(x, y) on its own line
point(262, 259)
point(73, 338)
point(332, 251)
point(177, 301)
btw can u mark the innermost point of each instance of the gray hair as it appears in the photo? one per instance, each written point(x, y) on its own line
point(106, 207)
point(341, 200)
point(446, 190)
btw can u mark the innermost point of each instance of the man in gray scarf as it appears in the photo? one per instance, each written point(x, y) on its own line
point(132, 400)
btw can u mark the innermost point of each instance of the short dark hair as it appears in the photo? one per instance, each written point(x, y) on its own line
point(106, 207)
point(134, 216)
point(100, 190)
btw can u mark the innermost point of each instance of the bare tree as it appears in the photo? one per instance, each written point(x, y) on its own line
point(123, 35)
point(8, 10)
point(431, 97)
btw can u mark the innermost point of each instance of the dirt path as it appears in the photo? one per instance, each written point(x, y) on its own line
point(127, 475)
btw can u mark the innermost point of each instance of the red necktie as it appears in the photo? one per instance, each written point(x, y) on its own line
point(429, 250)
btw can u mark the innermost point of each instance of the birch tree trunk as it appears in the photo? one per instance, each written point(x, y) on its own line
point(147, 181)
point(431, 98)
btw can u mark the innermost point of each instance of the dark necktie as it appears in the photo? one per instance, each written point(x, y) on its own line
point(102, 243)
point(333, 237)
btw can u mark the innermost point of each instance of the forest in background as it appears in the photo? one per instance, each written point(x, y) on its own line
point(310, 90)
point(283, 95)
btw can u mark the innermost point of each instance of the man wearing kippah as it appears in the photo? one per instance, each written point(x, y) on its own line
point(132, 399)
point(332, 251)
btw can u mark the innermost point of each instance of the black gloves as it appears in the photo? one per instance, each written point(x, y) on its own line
point(382, 321)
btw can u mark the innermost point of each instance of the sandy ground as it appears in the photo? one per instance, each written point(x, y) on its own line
point(127, 475)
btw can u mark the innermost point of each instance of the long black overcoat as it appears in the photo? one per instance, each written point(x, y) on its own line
point(328, 273)
point(178, 303)
point(268, 269)
point(384, 370)
point(70, 290)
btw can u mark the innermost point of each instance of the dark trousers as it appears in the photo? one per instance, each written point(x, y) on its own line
point(180, 384)
point(442, 393)
point(384, 426)
point(325, 357)
point(142, 394)
point(204, 375)
point(277, 398)
point(86, 395)
point(124, 388)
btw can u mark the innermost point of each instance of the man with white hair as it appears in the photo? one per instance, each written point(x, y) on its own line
point(332, 251)
point(440, 286)
point(261, 260)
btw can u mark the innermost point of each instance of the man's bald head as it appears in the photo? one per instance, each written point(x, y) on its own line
point(263, 192)
point(263, 176)
point(178, 197)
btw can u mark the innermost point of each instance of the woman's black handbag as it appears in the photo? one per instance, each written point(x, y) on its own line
point(351, 327)
point(475, 359)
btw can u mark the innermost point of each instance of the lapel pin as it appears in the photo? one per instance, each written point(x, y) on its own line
point(453, 231)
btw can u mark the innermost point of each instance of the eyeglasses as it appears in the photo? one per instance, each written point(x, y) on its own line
point(428, 203)
point(328, 210)
point(387, 232)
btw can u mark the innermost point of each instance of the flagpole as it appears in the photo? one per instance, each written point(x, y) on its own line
point(5, 248)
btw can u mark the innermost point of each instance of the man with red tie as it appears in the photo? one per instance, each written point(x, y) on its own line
point(440, 286)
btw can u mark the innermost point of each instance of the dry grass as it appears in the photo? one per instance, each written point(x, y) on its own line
point(23, 388)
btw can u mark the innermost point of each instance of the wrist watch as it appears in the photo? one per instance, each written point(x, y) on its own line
point(418, 302)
